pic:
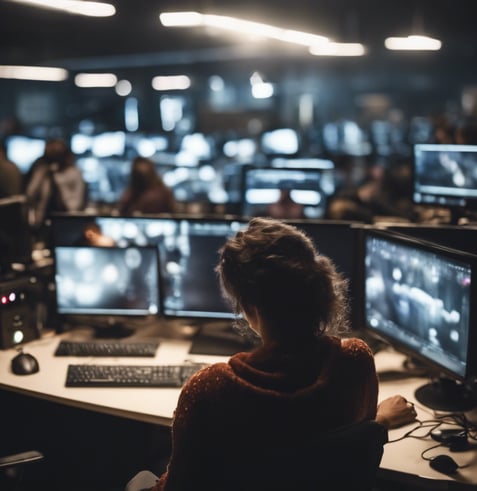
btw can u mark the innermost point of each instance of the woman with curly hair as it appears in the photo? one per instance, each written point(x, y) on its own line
point(304, 378)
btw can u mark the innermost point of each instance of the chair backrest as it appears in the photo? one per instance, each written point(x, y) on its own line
point(346, 458)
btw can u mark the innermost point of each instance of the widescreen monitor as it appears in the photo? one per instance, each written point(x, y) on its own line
point(107, 284)
point(419, 297)
point(445, 176)
point(306, 191)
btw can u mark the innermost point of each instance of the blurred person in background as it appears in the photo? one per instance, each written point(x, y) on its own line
point(54, 184)
point(146, 191)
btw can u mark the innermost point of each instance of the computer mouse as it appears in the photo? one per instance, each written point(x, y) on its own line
point(24, 364)
point(444, 463)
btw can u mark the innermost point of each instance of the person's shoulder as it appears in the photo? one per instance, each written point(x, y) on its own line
point(206, 382)
point(356, 348)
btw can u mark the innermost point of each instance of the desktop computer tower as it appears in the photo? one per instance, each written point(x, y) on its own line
point(18, 316)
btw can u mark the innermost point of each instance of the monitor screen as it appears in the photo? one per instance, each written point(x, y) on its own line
point(16, 240)
point(282, 141)
point(286, 192)
point(417, 295)
point(445, 175)
point(24, 150)
point(107, 281)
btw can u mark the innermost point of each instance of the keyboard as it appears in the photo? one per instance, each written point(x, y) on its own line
point(130, 375)
point(106, 348)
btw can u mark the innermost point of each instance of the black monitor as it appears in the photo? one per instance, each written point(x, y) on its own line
point(446, 176)
point(419, 297)
point(340, 240)
point(308, 188)
point(16, 240)
point(103, 286)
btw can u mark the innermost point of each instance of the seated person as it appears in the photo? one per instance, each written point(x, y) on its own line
point(303, 379)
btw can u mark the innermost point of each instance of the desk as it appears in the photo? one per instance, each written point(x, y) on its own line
point(155, 405)
point(401, 461)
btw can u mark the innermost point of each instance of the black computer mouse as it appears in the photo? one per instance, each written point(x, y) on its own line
point(24, 364)
point(444, 463)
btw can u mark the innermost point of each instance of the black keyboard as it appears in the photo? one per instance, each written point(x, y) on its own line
point(106, 348)
point(130, 375)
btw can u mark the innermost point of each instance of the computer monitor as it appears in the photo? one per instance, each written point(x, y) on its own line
point(306, 190)
point(340, 240)
point(16, 240)
point(280, 141)
point(419, 297)
point(445, 176)
point(103, 286)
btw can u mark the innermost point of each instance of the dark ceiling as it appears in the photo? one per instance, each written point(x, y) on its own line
point(134, 36)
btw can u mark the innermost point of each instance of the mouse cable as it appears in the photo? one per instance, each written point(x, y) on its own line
point(431, 424)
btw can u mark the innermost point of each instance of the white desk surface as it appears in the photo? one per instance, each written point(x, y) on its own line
point(401, 460)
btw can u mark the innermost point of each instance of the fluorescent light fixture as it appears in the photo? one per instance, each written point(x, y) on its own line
point(338, 49)
point(95, 80)
point(171, 82)
point(90, 9)
point(413, 43)
point(180, 19)
point(253, 29)
point(40, 73)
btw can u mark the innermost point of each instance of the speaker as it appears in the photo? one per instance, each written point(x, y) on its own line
point(18, 323)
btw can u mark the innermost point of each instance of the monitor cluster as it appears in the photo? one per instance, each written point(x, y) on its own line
point(408, 286)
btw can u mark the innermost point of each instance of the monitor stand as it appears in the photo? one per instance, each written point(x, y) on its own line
point(112, 329)
point(220, 339)
point(444, 394)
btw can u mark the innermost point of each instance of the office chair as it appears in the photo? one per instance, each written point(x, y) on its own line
point(346, 458)
point(12, 468)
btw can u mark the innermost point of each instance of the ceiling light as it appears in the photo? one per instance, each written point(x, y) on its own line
point(413, 43)
point(40, 73)
point(95, 80)
point(338, 49)
point(250, 28)
point(90, 9)
point(171, 82)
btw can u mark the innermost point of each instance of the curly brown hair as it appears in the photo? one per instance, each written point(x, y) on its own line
point(275, 267)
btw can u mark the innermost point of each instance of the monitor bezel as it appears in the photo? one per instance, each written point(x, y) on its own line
point(433, 366)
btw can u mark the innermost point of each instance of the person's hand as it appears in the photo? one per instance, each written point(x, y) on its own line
point(395, 411)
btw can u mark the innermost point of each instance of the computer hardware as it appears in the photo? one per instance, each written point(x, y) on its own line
point(106, 348)
point(130, 375)
point(418, 296)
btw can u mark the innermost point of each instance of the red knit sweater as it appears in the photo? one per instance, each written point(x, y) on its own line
point(271, 394)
